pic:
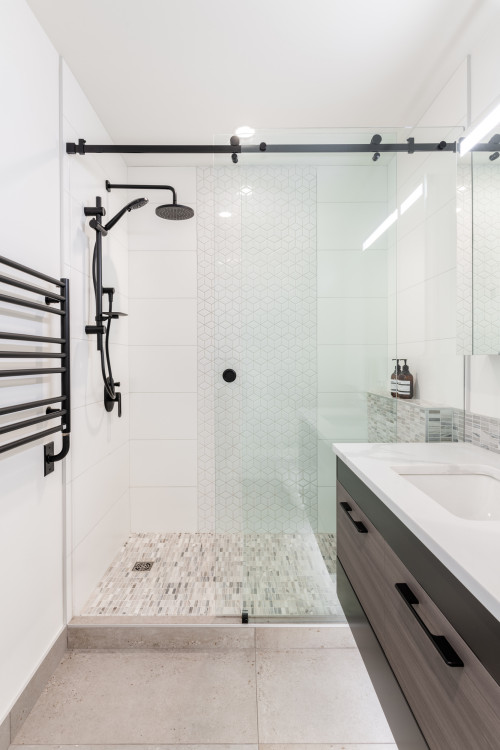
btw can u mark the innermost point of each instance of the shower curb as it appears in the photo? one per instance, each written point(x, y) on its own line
point(177, 637)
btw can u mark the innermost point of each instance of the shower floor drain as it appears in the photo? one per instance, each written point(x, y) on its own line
point(143, 566)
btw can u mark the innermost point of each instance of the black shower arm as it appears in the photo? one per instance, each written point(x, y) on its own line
point(109, 187)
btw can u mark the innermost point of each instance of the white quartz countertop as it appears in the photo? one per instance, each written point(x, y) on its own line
point(469, 549)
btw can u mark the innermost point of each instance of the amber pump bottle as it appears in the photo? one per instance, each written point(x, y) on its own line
point(405, 382)
point(395, 378)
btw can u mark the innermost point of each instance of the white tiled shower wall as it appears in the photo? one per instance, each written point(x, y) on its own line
point(97, 474)
point(163, 355)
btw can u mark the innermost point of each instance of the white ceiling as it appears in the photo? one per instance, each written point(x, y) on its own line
point(181, 71)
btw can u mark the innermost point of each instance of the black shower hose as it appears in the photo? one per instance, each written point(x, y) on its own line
point(109, 383)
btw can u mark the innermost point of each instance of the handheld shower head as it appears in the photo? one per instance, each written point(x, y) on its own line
point(174, 211)
point(137, 203)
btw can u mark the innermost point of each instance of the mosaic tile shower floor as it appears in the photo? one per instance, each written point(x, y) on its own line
point(219, 574)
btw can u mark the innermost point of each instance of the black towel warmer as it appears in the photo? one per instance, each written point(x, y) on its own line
point(56, 303)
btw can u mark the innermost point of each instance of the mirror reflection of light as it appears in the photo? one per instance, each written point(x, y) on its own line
point(225, 214)
point(246, 190)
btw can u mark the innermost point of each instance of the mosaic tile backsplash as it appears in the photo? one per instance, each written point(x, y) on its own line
point(393, 420)
point(221, 574)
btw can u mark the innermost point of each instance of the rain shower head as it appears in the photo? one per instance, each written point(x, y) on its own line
point(174, 212)
point(137, 203)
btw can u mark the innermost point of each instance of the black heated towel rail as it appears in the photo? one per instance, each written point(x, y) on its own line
point(55, 302)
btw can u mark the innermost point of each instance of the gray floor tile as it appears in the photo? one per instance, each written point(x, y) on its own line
point(146, 697)
point(324, 636)
point(317, 696)
point(336, 746)
point(141, 747)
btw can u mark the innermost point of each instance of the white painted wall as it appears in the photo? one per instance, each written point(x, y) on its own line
point(163, 356)
point(31, 507)
point(90, 492)
point(98, 502)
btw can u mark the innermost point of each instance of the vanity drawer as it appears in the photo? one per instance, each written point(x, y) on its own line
point(457, 707)
point(362, 556)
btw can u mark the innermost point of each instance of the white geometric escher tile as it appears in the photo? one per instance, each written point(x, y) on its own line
point(257, 315)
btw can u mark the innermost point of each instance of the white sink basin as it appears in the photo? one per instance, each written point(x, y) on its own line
point(471, 492)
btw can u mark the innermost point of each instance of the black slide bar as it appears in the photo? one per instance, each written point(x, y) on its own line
point(29, 337)
point(31, 272)
point(29, 439)
point(31, 355)
point(31, 405)
point(409, 147)
point(34, 420)
point(33, 305)
point(29, 287)
point(38, 371)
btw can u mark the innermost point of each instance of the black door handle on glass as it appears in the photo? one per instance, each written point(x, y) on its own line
point(229, 376)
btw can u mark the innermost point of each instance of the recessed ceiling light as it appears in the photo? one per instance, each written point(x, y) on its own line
point(245, 131)
point(225, 214)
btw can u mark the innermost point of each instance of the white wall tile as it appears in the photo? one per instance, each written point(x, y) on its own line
point(352, 184)
point(327, 504)
point(352, 368)
point(327, 465)
point(148, 232)
point(427, 311)
point(352, 273)
point(96, 490)
point(345, 226)
point(164, 509)
point(163, 275)
point(433, 235)
point(437, 369)
point(163, 322)
point(182, 179)
point(95, 553)
point(342, 417)
point(163, 416)
point(163, 368)
point(163, 463)
point(352, 321)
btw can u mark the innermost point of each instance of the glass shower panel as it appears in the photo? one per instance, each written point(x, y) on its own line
point(301, 315)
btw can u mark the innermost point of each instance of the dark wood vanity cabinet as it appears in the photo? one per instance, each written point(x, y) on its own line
point(453, 696)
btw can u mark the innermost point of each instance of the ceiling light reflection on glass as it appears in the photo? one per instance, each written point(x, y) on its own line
point(225, 214)
point(246, 190)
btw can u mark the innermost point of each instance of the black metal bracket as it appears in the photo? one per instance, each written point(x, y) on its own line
point(244, 617)
point(48, 464)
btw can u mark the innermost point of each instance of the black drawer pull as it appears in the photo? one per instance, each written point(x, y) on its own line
point(446, 651)
point(360, 527)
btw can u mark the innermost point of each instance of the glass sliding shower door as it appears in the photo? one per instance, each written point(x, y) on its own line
point(300, 339)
